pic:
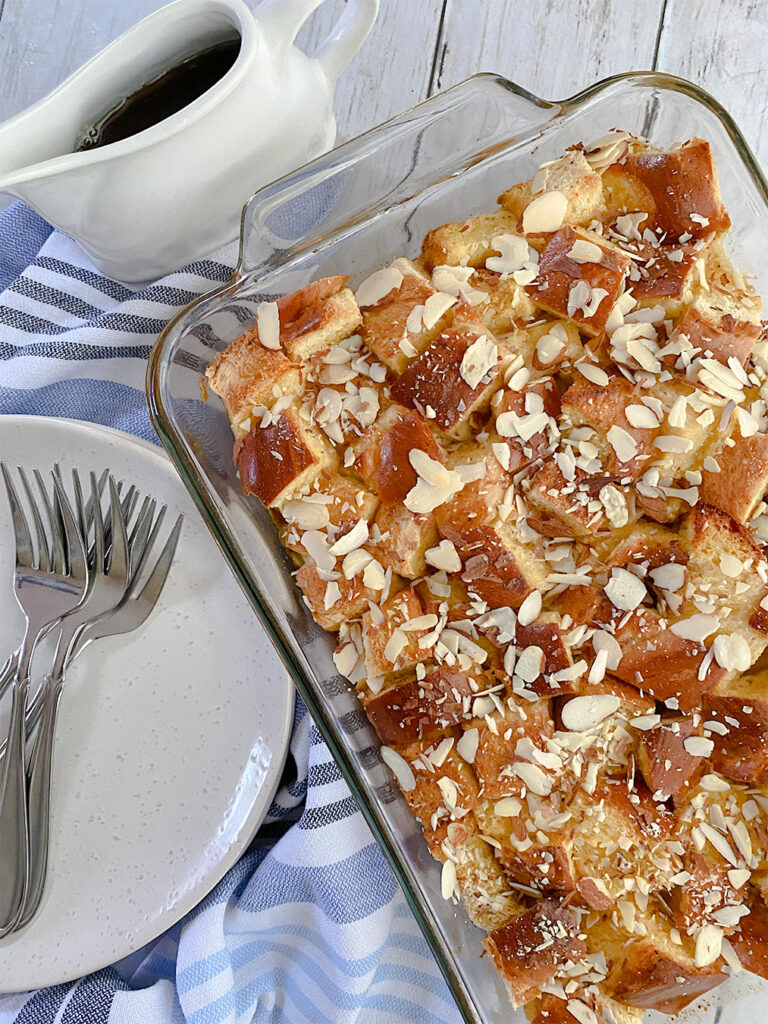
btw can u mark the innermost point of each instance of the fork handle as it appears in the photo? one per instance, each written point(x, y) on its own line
point(39, 799)
point(14, 833)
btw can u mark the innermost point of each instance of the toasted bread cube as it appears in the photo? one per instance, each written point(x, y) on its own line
point(570, 174)
point(652, 971)
point(247, 376)
point(604, 409)
point(530, 950)
point(546, 633)
point(716, 325)
point(335, 502)
point(505, 304)
point(563, 507)
point(656, 660)
point(664, 763)
point(390, 327)
point(740, 706)
point(623, 193)
point(456, 376)
point(279, 461)
point(529, 856)
point(484, 887)
point(726, 562)
point(740, 482)
point(345, 600)
point(443, 795)
point(382, 452)
point(498, 566)
point(548, 343)
point(552, 1009)
point(526, 406)
point(645, 545)
point(421, 710)
point(477, 502)
point(388, 646)
point(316, 317)
point(466, 242)
point(582, 292)
point(632, 703)
point(751, 940)
point(497, 740)
point(684, 187)
point(664, 276)
point(405, 538)
point(619, 835)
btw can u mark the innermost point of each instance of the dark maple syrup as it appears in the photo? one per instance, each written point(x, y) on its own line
point(163, 96)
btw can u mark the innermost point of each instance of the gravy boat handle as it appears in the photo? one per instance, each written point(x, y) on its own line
point(282, 19)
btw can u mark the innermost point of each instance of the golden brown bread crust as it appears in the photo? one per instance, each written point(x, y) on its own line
point(534, 512)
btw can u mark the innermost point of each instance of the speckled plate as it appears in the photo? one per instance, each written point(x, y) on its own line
point(170, 742)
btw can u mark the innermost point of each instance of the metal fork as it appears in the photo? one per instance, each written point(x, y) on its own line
point(130, 612)
point(50, 579)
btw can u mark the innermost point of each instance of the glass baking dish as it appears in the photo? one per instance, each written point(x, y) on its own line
point(352, 211)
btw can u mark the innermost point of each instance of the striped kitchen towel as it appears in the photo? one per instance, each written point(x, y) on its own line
point(310, 926)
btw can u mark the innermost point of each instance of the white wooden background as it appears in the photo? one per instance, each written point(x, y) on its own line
point(552, 47)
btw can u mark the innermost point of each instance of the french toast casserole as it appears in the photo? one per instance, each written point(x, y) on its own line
point(522, 478)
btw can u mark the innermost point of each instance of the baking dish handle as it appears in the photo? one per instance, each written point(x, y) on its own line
point(282, 20)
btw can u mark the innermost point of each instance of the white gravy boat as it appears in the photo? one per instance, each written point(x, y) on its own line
point(147, 204)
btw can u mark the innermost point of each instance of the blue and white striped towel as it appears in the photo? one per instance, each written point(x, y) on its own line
point(310, 926)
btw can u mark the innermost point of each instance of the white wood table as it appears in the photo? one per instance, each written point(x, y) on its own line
point(553, 48)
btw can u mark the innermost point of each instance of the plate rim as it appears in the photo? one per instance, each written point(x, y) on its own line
point(263, 798)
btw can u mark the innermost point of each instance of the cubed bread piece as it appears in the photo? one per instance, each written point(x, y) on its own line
point(725, 563)
point(281, 460)
point(546, 634)
point(584, 292)
point(466, 242)
point(570, 174)
point(624, 193)
point(741, 478)
point(530, 857)
point(620, 835)
point(657, 660)
point(444, 793)
point(642, 545)
point(548, 343)
point(484, 887)
point(684, 188)
point(651, 971)
point(504, 304)
point(663, 760)
point(526, 421)
point(495, 760)
point(332, 601)
point(477, 503)
point(751, 939)
point(663, 275)
point(405, 538)
point(703, 890)
point(624, 450)
point(631, 703)
point(317, 317)
point(551, 1009)
point(498, 566)
point(717, 326)
point(422, 709)
point(456, 376)
point(568, 508)
point(740, 707)
point(392, 645)
point(247, 376)
point(531, 949)
point(382, 452)
point(335, 503)
point(401, 324)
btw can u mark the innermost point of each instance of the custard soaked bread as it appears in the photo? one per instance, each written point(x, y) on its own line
point(523, 477)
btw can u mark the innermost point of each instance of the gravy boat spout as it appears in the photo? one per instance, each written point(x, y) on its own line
point(152, 201)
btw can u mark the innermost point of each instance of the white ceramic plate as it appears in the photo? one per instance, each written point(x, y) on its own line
point(170, 742)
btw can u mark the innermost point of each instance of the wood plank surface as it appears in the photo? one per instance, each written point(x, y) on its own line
point(553, 48)
point(723, 46)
